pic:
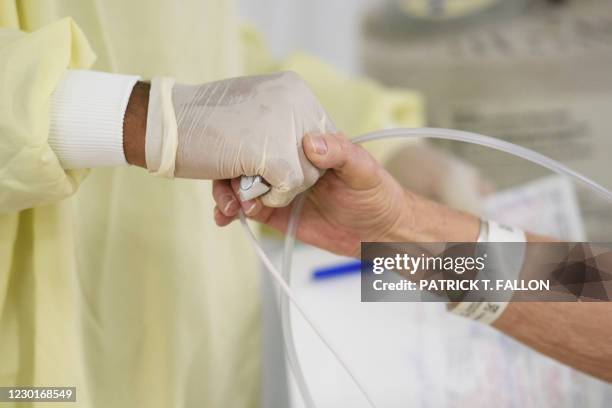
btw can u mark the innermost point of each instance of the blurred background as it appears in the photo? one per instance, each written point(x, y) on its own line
point(537, 73)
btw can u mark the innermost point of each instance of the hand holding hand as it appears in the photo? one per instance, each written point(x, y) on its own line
point(357, 200)
point(243, 126)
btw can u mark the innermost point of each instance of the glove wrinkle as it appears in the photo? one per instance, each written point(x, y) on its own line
point(243, 126)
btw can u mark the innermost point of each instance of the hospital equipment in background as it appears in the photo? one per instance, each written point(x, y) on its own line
point(424, 14)
point(535, 73)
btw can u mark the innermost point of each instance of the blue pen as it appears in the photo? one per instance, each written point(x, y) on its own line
point(334, 271)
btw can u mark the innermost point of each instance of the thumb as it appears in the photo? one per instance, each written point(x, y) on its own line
point(351, 163)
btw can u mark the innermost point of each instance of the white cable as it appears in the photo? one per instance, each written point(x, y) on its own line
point(487, 141)
point(287, 291)
point(285, 312)
point(434, 133)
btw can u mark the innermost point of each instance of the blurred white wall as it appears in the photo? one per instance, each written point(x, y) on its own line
point(328, 29)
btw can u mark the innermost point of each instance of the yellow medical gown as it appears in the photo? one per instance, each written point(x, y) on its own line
point(117, 282)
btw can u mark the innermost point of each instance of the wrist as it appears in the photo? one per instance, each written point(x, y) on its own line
point(135, 125)
point(423, 220)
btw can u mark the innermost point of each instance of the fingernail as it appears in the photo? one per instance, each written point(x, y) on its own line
point(249, 206)
point(319, 144)
point(230, 206)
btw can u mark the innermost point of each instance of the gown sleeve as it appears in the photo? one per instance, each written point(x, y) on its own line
point(31, 66)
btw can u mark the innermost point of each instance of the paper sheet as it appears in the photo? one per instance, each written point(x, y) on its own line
point(546, 206)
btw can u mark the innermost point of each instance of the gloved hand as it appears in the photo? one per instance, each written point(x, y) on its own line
point(234, 127)
point(356, 201)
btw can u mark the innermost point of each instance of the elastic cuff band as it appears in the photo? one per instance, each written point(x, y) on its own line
point(86, 125)
point(161, 141)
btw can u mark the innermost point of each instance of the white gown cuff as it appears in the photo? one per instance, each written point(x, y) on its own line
point(87, 111)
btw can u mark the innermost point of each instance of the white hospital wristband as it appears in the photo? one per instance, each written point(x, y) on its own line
point(504, 233)
point(87, 111)
point(487, 312)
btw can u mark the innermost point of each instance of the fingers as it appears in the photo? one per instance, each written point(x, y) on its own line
point(227, 201)
point(227, 206)
point(225, 194)
point(250, 207)
point(222, 220)
point(254, 209)
point(353, 164)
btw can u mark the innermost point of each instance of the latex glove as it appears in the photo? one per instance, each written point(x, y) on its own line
point(356, 201)
point(240, 126)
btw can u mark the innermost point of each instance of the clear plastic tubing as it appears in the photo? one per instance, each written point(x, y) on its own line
point(284, 278)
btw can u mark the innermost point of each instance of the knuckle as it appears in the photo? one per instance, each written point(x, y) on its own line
point(294, 86)
point(294, 181)
point(277, 199)
point(289, 174)
point(311, 175)
point(277, 166)
point(292, 77)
